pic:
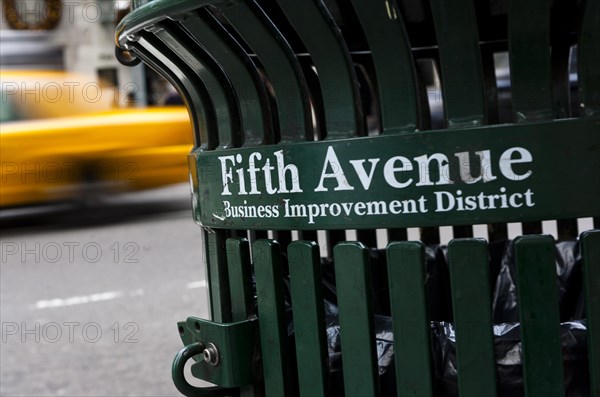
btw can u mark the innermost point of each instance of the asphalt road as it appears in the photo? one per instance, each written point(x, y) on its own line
point(90, 297)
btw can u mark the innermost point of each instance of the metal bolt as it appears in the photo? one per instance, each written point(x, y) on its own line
point(211, 355)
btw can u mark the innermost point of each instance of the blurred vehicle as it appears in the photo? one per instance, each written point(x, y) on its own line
point(61, 138)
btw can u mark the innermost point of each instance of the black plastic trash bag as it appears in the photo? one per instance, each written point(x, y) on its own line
point(506, 332)
point(508, 353)
point(569, 282)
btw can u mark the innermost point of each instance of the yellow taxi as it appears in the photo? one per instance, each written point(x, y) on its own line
point(62, 138)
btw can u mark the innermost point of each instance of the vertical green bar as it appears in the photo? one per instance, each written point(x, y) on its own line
point(240, 283)
point(201, 75)
point(472, 309)
point(199, 115)
point(220, 299)
point(460, 61)
point(337, 77)
point(273, 328)
point(394, 64)
point(529, 54)
point(412, 333)
point(588, 59)
point(309, 317)
point(240, 277)
point(590, 250)
point(240, 70)
point(281, 65)
point(538, 312)
point(353, 282)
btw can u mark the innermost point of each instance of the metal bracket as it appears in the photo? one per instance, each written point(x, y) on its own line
point(229, 351)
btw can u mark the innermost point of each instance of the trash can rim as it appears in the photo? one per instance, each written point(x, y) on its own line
point(155, 11)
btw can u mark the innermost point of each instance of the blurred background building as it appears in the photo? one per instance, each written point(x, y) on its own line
point(80, 41)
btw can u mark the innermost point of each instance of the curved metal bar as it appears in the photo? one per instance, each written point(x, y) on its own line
point(252, 98)
point(149, 14)
point(126, 58)
point(460, 61)
point(282, 68)
point(394, 64)
point(202, 110)
point(182, 384)
point(212, 77)
point(198, 123)
point(530, 64)
point(330, 55)
point(589, 59)
point(283, 71)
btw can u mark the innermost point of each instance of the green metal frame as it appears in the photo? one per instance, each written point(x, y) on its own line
point(282, 143)
point(234, 346)
point(328, 180)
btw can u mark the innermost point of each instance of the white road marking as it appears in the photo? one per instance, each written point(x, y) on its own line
point(197, 284)
point(99, 297)
point(76, 300)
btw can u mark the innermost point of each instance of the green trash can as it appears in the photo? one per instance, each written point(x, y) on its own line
point(336, 140)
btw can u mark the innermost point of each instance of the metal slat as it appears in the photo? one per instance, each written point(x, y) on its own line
point(397, 234)
point(590, 251)
point(309, 318)
point(218, 87)
point(423, 104)
point(316, 98)
point(472, 309)
point(249, 90)
point(283, 237)
point(240, 286)
point(240, 277)
point(218, 277)
point(500, 231)
point(205, 118)
point(529, 54)
point(539, 316)
point(334, 237)
point(588, 59)
point(368, 237)
point(337, 78)
point(394, 64)
point(566, 229)
point(282, 68)
point(461, 68)
point(191, 99)
point(460, 61)
point(310, 235)
point(412, 334)
point(491, 88)
point(462, 231)
point(430, 235)
point(561, 42)
point(273, 330)
point(353, 282)
point(532, 227)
